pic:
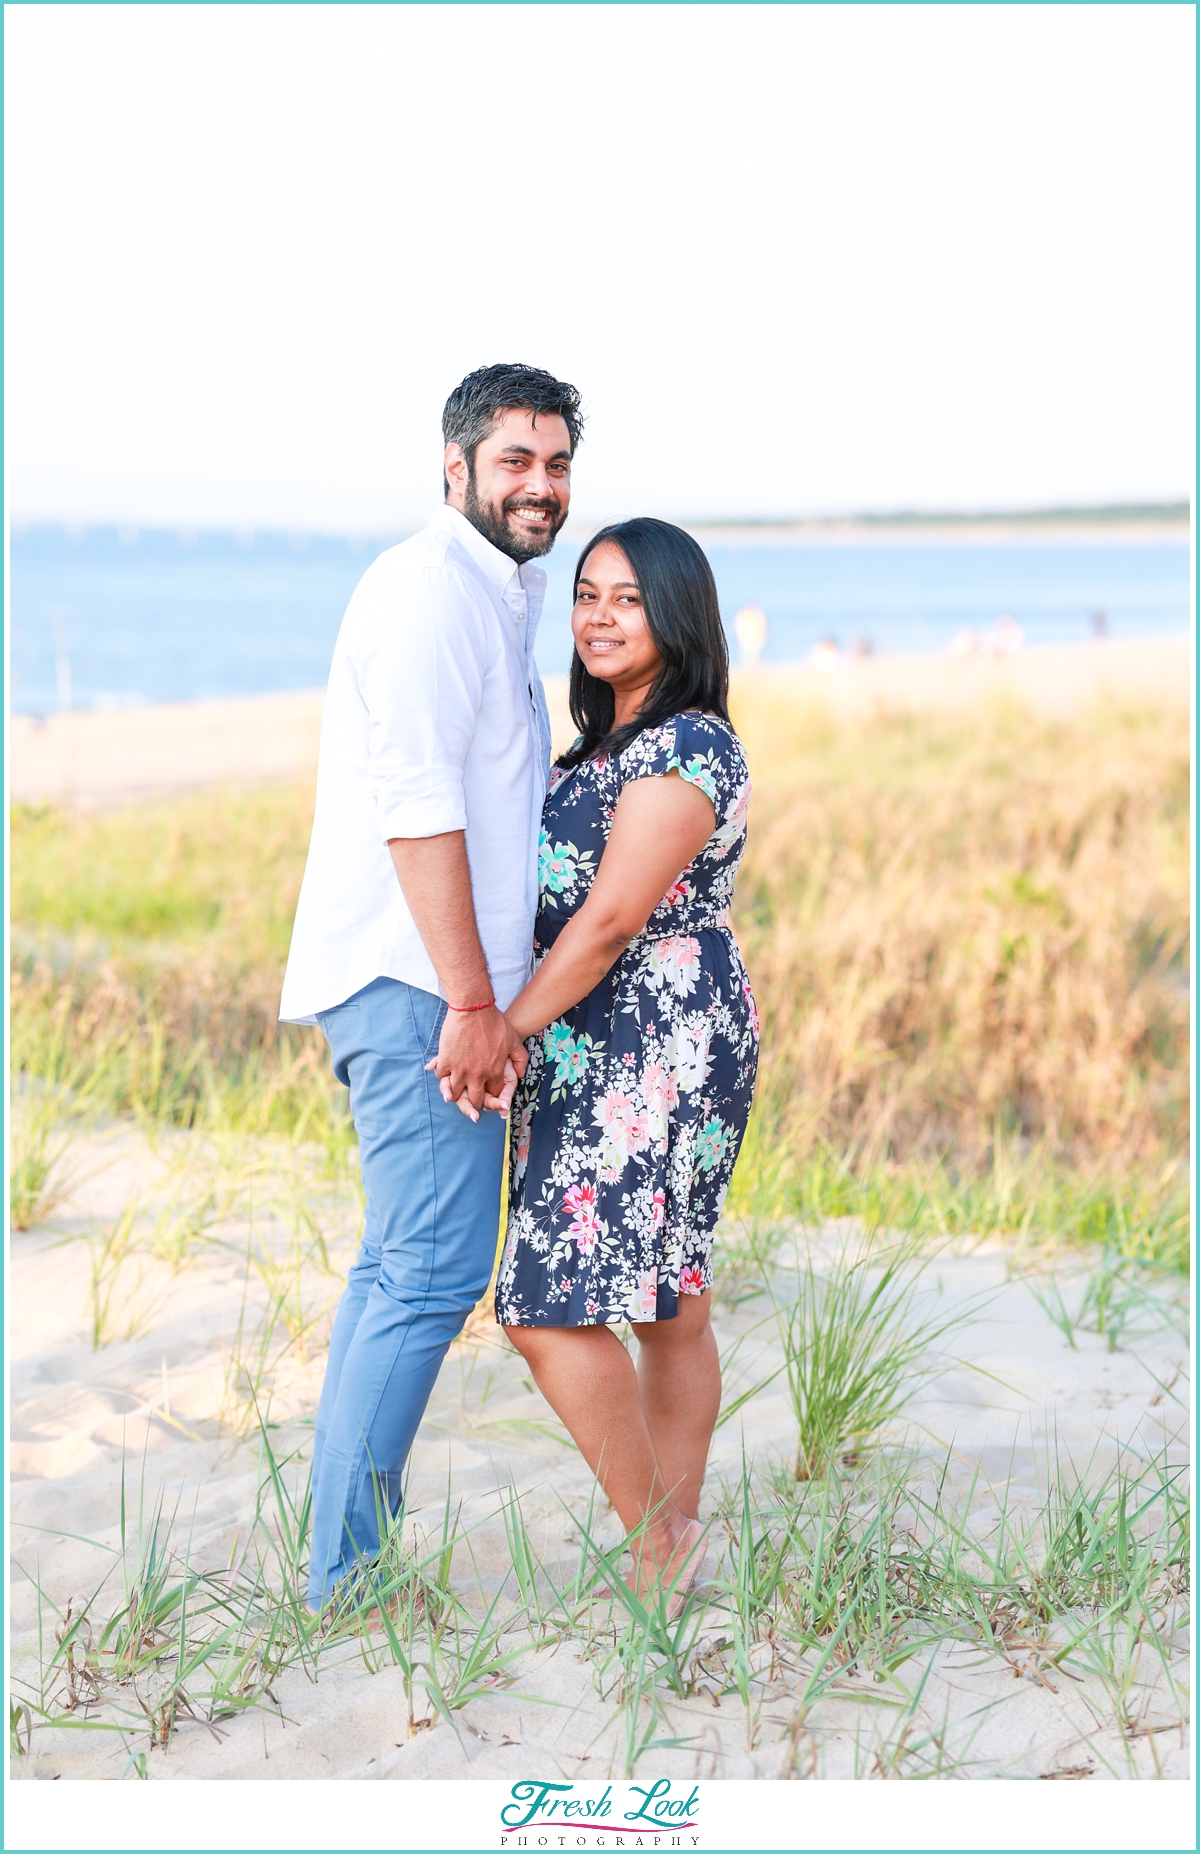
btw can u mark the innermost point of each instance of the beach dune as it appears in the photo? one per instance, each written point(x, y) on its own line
point(97, 760)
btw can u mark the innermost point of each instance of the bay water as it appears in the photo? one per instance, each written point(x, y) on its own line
point(106, 618)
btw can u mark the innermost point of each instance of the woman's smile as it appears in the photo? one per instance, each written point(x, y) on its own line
point(609, 622)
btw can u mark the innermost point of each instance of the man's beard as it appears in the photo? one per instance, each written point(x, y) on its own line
point(493, 523)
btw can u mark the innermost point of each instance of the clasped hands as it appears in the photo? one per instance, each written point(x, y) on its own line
point(479, 1062)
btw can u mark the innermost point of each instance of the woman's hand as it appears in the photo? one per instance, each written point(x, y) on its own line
point(477, 1052)
point(659, 826)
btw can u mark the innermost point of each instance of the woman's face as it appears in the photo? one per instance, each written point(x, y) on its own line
point(609, 623)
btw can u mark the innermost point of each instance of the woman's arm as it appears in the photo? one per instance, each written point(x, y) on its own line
point(659, 826)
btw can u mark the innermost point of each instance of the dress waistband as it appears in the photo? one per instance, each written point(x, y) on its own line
point(547, 929)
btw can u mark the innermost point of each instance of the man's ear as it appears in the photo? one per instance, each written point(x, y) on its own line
point(454, 468)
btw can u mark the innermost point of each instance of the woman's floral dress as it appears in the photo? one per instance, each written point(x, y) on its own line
point(627, 1124)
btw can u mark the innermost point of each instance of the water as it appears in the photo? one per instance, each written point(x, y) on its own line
point(161, 617)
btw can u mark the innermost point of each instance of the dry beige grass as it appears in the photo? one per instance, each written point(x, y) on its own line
point(958, 922)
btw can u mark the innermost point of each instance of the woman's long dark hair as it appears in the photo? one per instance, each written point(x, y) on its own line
point(679, 599)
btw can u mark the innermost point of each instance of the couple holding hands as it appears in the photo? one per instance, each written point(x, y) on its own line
point(482, 936)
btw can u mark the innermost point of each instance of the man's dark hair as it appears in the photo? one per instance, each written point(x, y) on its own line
point(476, 402)
point(679, 599)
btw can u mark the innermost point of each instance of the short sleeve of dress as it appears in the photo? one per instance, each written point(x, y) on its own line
point(701, 749)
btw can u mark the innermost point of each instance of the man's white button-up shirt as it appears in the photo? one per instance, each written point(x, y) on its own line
point(435, 720)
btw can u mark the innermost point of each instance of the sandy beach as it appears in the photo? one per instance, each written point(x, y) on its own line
point(95, 760)
point(130, 1382)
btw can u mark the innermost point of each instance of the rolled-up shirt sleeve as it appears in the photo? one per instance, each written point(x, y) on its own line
point(420, 655)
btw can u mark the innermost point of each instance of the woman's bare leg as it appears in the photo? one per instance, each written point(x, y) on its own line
point(679, 1376)
point(588, 1378)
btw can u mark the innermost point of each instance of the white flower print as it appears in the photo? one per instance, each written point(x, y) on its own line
point(686, 1050)
point(674, 962)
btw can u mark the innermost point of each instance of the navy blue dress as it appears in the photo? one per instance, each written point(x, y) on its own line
point(627, 1124)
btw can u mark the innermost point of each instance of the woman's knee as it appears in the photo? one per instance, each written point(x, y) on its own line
point(522, 1338)
point(689, 1323)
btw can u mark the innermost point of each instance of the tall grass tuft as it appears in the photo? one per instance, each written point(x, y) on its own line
point(855, 1344)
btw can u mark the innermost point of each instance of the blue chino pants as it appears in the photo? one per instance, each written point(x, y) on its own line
point(432, 1183)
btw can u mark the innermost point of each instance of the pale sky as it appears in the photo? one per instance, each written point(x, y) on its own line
point(797, 259)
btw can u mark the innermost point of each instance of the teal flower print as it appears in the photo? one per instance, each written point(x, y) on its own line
point(699, 773)
point(558, 865)
point(569, 1054)
point(711, 1142)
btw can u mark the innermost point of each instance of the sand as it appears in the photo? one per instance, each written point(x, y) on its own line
point(116, 757)
point(1008, 1394)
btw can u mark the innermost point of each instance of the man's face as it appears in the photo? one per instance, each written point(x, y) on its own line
point(519, 490)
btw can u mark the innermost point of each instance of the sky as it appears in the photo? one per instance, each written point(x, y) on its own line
point(798, 259)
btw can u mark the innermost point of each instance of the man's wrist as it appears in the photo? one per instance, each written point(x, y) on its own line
point(470, 991)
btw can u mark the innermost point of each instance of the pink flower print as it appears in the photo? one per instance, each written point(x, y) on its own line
point(691, 1279)
point(580, 1197)
point(625, 1129)
point(593, 1308)
point(658, 1209)
point(585, 1241)
point(748, 995)
point(678, 891)
point(523, 1127)
point(581, 1202)
point(646, 1294)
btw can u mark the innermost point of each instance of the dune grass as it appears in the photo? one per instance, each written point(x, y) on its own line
point(844, 1586)
point(968, 937)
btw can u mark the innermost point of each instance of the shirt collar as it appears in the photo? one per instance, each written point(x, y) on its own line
point(496, 567)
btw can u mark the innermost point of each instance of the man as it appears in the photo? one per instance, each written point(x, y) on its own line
point(415, 923)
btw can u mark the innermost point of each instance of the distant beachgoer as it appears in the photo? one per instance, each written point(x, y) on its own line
point(750, 629)
point(415, 923)
point(826, 655)
point(1007, 636)
point(642, 1040)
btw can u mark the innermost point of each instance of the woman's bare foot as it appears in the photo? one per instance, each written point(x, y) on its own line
point(660, 1557)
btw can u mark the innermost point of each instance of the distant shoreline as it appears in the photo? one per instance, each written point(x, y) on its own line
point(102, 759)
point(1107, 524)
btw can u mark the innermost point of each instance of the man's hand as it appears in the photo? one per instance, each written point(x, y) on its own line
point(479, 1061)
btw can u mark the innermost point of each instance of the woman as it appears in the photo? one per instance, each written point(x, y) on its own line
point(642, 1039)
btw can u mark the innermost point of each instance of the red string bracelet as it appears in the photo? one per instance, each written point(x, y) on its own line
point(472, 1007)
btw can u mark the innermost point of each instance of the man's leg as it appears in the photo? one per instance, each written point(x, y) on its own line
point(432, 1182)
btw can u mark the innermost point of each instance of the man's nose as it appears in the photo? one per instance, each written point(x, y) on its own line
point(537, 480)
